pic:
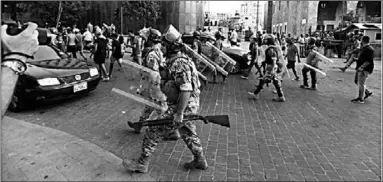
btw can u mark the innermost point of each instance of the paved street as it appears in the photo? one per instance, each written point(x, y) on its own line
point(313, 136)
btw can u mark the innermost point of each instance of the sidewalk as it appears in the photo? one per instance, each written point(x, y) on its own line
point(31, 152)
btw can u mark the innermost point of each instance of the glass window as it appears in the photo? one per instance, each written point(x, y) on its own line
point(44, 53)
point(378, 36)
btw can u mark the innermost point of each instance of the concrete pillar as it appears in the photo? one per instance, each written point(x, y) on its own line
point(351, 6)
point(312, 15)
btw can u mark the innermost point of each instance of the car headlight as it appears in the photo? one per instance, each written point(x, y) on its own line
point(93, 72)
point(48, 81)
point(248, 56)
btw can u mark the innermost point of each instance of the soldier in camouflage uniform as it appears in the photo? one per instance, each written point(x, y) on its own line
point(154, 60)
point(208, 51)
point(196, 42)
point(184, 77)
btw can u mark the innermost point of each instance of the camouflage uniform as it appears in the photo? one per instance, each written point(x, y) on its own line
point(153, 60)
point(185, 76)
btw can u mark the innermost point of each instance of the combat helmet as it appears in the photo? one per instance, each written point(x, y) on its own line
point(171, 35)
point(172, 39)
point(155, 35)
point(196, 34)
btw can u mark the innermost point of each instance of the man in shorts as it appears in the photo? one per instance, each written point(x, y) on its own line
point(292, 53)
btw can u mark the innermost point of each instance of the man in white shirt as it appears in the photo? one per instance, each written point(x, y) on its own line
point(233, 37)
point(88, 37)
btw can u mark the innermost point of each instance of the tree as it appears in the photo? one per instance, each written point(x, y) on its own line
point(50, 12)
point(148, 12)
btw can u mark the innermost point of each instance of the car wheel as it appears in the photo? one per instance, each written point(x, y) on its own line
point(17, 103)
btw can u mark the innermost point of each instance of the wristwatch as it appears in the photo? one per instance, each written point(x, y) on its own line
point(19, 67)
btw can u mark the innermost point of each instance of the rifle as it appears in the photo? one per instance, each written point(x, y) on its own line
point(222, 120)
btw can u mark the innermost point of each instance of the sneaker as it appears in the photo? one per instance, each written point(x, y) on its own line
point(357, 100)
point(367, 95)
point(245, 77)
point(279, 99)
point(342, 69)
point(252, 94)
point(303, 86)
point(297, 79)
point(313, 88)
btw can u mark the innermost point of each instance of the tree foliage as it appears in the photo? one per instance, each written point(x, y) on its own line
point(146, 11)
point(47, 11)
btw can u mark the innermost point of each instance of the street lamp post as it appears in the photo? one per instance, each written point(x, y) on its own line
point(121, 16)
point(257, 16)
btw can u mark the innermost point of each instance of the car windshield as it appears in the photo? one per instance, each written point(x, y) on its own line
point(44, 53)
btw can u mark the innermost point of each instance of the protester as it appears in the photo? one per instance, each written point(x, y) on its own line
point(292, 53)
point(283, 45)
point(253, 47)
point(79, 43)
point(313, 61)
point(138, 44)
point(71, 43)
point(16, 49)
point(116, 53)
point(233, 37)
point(364, 67)
point(100, 47)
point(59, 42)
point(88, 37)
point(353, 54)
point(301, 42)
point(273, 67)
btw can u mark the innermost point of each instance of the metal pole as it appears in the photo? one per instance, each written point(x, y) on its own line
point(121, 16)
point(257, 16)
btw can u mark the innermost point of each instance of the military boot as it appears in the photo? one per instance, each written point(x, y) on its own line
point(173, 136)
point(135, 165)
point(198, 163)
point(137, 128)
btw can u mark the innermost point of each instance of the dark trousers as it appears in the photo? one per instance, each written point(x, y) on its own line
point(277, 84)
point(302, 50)
point(252, 64)
point(313, 75)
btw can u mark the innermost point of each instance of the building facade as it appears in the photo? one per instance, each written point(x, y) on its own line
point(301, 17)
point(251, 13)
point(267, 17)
